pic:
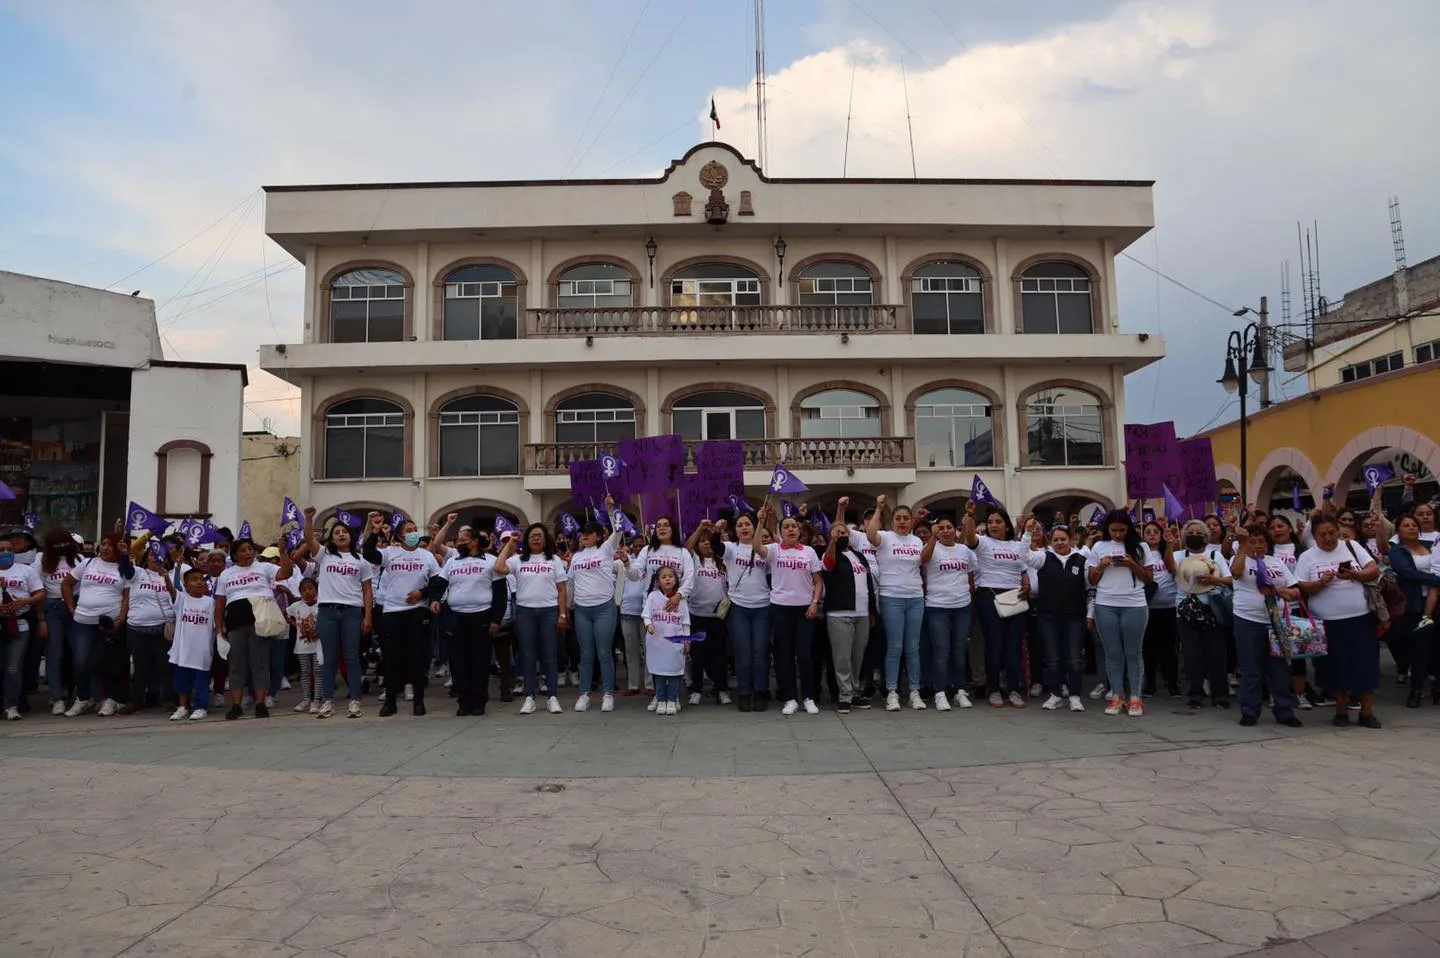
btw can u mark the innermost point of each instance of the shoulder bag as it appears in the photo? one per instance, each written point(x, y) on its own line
point(1384, 599)
point(1302, 636)
point(1009, 604)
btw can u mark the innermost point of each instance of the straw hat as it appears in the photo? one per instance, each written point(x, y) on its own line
point(1189, 569)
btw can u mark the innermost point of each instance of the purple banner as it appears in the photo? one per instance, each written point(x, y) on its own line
point(657, 505)
point(1197, 465)
point(722, 459)
point(1152, 459)
point(587, 484)
point(656, 463)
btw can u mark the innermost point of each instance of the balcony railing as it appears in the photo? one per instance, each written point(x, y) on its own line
point(713, 320)
point(554, 458)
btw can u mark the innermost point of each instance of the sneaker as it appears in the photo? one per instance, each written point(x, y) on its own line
point(723, 698)
point(575, 679)
point(519, 689)
point(892, 702)
point(57, 707)
point(553, 706)
point(916, 702)
point(1302, 702)
point(790, 707)
point(1098, 692)
point(261, 710)
point(1249, 721)
point(235, 711)
point(1036, 690)
point(303, 705)
point(387, 707)
point(962, 699)
point(79, 707)
point(315, 707)
point(108, 708)
point(1368, 721)
point(843, 708)
point(694, 698)
point(284, 684)
point(1137, 707)
point(269, 701)
point(1053, 703)
point(247, 700)
point(12, 714)
point(1291, 721)
point(607, 704)
point(528, 706)
point(1233, 681)
point(1112, 705)
point(1017, 700)
point(997, 701)
point(180, 714)
point(198, 715)
point(1076, 704)
point(653, 705)
point(1425, 622)
point(582, 704)
point(409, 692)
point(354, 711)
point(672, 708)
point(1353, 705)
point(860, 702)
point(1402, 678)
point(942, 704)
point(810, 707)
point(327, 709)
point(449, 682)
point(1323, 700)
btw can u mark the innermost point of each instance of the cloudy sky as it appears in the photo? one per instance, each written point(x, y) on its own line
point(136, 134)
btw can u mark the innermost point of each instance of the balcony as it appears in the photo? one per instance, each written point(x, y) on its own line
point(883, 452)
point(713, 320)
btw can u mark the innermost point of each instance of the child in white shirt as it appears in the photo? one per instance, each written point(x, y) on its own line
point(664, 658)
point(190, 649)
point(307, 646)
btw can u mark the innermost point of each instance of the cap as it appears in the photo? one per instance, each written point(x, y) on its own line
point(270, 553)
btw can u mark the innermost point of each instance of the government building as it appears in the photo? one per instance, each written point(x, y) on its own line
point(465, 342)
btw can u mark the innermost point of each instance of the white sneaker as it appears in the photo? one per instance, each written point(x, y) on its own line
point(247, 701)
point(354, 709)
point(694, 698)
point(1076, 704)
point(724, 698)
point(1302, 701)
point(916, 702)
point(315, 707)
point(180, 714)
point(108, 708)
point(892, 702)
point(58, 708)
point(1113, 706)
point(582, 704)
point(1017, 700)
point(519, 688)
point(962, 699)
point(997, 701)
point(409, 692)
point(284, 684)
point(790, 707)
point(1098, 692)
point(12, 714)
point(1053, 703)
point(575, 679)
point(303, 705)
point(553, 706)
point(269, 701)
point(563, 679)
point(199, 715)
point(1036, 690)
point(528, 706)
point(810, 707)
point(654, 706)
point(449, 682)
point(672, 708)
point(942, 704)
point(327, 709)
point(607, 704)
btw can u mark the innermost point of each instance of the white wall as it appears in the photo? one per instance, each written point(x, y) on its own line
point(48, 320)
point(187, 402)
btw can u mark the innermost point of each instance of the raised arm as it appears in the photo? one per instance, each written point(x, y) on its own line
point(967, 526)
point(876, 523)
point(502, 561)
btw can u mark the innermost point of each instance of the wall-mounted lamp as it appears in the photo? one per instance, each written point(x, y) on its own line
point(780, 247)
point(844, 338)
point(589, 340)
point(650, 248)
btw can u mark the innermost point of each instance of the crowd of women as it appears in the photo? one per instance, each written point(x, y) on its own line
point(763, 609)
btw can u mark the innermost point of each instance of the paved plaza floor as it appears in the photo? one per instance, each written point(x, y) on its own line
point(712, 833)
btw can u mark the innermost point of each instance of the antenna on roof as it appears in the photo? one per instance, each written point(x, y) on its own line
point(905, 86)
point(849, 109)
point(762, 131)
point(1397, 241)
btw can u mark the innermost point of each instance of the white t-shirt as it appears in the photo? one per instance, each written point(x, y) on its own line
point(341, 578)
point(1249, 603)
point(150, 602)
point(20, 581)
point(792, 573)
point(1119, 587)
point(537, 580)
point(899, 560)
point(194, 632)
point(54, 579)
point(747, 569)
point(253, 581)
point(1000, 563)
point(1164, 582)
point(860, 569)
point(632, 601)
point(860, 542)
point(645, 565)
point(592, 574)
point(710, 588)
point(292, 584)
point(663, 657)
point(101, 589)
point(947, 576)
point(1341, 599)
point(1213, 553)
point(470, 580)
point(299, 613)
point(1286, 553)
point(406, 571)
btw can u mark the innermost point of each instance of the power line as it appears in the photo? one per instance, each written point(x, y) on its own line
point(221, 249)
point(210, 302)
point(167, 255)
point(580, 137)
point(1189, 289)
point(664, 136)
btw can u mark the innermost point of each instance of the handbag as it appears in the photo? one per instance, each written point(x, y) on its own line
point(722, 608)
point(1381, 605)
point(1196, 614)
point(269, 620)
point(1301, 637)
point(1009, 604)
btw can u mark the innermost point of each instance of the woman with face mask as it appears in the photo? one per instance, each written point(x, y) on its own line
point(1001, 565)
point(1333, 575)
point(410, 588)
point(1261, 580)
point(97, 594)
point(1204, 645)
point(1283, 546)
point(477, 596)
point(59, 558)
point(1061, 606)
point(592, 589)
point(23, 591)
point(239, 586)
point(1411, 559)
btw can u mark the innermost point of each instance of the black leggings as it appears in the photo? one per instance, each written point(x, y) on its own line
point(405, 642)
point(1161, 648)
point(470, 661)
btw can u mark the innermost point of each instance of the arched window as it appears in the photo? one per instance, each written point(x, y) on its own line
point(481, 302)
point(364, 439)
point(367, 306)
point(1063, 427)
point(595, 286)
point(719, 415)
point(479, 436)
point(1055, 298)
point(954, 428)
point(840, 414)
point(835, 283)
point(946, 297)
point(715, 284)
point(599, 418)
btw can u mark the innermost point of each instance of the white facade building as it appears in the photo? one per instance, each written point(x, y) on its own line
point(95, 416)
point(464, 342)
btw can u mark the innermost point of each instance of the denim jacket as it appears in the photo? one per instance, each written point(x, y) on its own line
point(1411, 579)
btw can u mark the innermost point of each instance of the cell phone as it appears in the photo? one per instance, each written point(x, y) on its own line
point(1347, 565)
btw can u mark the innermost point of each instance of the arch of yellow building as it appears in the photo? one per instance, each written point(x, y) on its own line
point(1326, 436)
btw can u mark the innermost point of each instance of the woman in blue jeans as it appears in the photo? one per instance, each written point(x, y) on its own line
point(1060, 606)
point(592, 590)
point(1261, 579)
point(902, 598)
point(1119, 569)
point(59, 556)
point(542, 609)
point(345, 603)
point(749, 620)
point(1001, 563)
point(948, 565)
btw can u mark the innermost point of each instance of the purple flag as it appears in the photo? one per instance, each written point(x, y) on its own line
point(7, 494)
point(31, 520)
point(1097, 516)
point(293, 539)
point(398, 519)
point(142, 519)
point(1295, 497)
point(740, 505)
point(783, 482)
point(979, 492)
point(1329, 493)
point(1262, 574)
point(1152, 457)
point(1174, 509)
point(1148, 515)
point(568, 525)
point(348, 518)
point(503, 524)
point(1375, 476)
point(682, 639)
point(290, 512)
point(788, 510)
point(821, 522)
point(193, 530)
point(212, 532)
point(244, 532)
point(611, 467)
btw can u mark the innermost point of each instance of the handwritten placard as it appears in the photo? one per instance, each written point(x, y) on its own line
point(1197, 464)
point(1152, 458)
point(655, 463)
point(722, 459)
point(587, 484)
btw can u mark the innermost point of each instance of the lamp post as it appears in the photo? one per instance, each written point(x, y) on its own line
point(1245, 359)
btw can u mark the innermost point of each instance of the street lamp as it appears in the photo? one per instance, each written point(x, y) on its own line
point(1244, 356)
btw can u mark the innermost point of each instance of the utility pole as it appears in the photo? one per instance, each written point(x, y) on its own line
point(1263, 345)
